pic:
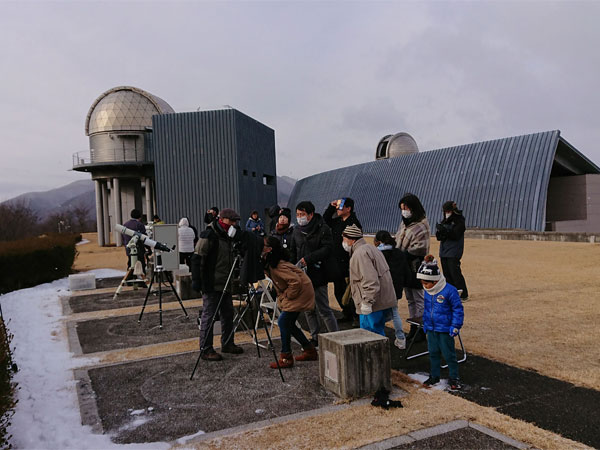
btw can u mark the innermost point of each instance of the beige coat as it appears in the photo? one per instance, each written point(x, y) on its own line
point(294, 289)
point(370, 277)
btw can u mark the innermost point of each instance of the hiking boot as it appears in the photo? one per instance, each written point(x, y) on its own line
point(232, 348)
point(211, 355)
point(286, 360)
point(454, 384)
point(309, 354)
point(401, 344)
point(431, 381)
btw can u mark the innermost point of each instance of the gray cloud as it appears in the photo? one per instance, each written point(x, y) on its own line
point(330, 78)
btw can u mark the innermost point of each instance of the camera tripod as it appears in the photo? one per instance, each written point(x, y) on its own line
point(250, 298)
point(158, 273)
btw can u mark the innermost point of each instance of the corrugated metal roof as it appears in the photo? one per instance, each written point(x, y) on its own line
point(501, 183)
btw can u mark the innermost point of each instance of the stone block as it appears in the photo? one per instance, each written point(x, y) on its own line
point(183, 286)
point(354, 363)
point(82, 282)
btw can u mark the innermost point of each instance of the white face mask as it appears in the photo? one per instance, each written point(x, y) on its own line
point(302, 221)
point(346, 246)
point(231, 232)
point(406, 214)
point(448, 214)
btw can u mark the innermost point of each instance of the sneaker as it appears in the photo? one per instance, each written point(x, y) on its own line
point(454, 384)
point(401, 344)
point(211, 355)
point(232, 348)
point(431, 381)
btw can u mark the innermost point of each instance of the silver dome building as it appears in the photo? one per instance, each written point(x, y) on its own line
point(394, 145)
point(119, 126)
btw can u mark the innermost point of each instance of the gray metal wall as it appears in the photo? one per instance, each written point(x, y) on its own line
point(198, 162)
point(499, 184)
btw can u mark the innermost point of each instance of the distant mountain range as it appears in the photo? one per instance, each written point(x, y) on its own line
point(81, 194)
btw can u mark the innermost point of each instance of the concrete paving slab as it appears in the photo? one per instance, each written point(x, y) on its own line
point(125, 331)
point(154, 400)
point(104, 300)
point(460, 439)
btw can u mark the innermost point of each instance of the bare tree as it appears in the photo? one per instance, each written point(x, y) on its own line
point(17, 221)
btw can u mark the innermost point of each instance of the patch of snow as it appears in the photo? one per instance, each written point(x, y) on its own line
point(82, 242)
point(137, 412)
point(259, 411)
point(421, 377)
point(138, 421)
point(184, 439)
point(483, 388)
point(47, 413)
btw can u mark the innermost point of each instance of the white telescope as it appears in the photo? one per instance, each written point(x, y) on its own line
point(143, 238)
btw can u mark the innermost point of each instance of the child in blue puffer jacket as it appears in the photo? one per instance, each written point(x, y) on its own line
point(442, 320)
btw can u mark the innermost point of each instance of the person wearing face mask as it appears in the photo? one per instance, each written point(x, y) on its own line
point(211, 264)
point(413, 239)
point(283, 230)
point(338, 215)
point(295, 294)
point(370, 281)
point(451, 233)
point(310, 249)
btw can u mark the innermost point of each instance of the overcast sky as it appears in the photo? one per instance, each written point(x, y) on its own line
point(330, 78)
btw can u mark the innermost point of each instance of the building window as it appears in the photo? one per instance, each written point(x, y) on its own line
point(382, 149)
point(268, 180)
point(254, 174)
point(245, 172)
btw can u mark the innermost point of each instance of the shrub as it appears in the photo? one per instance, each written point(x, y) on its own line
point(29, 262)
point(7, 386)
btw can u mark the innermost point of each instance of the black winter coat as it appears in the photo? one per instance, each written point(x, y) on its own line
point(401, 274)
point(314, 244)
point(451, 233)
point(338, 225)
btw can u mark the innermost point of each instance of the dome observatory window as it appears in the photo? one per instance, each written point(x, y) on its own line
point(382, 148)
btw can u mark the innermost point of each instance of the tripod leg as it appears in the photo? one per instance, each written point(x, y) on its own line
point(178, 298)
point(160, 280)
point(146, 299)
point(123, 282)
point(273, 350)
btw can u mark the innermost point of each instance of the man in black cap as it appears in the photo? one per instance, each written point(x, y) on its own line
point(339, 215)
point(211, 215)
point(211, 265)
point(135, 224)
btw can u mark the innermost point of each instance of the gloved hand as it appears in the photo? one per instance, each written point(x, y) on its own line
point(366, 308)
point(453, 331)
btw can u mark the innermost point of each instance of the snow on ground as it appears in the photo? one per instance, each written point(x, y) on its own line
point(83, 241)
point(47, 413)
point(421, 377)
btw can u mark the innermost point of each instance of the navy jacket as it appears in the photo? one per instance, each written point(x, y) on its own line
point(443, 311)
point(451, 233)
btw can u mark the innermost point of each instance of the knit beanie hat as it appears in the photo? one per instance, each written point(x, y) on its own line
point(429, 270)
point(287, 213)
point(352, 232)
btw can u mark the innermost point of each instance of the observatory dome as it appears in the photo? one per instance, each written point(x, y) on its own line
point(394, 145)
point(124, 108)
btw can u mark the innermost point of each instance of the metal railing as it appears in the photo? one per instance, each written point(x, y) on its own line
point(109, 155)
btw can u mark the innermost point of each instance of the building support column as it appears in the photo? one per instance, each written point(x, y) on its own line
point(106, 212)
point(116, 193)
point(99, 212)
point(149, 211)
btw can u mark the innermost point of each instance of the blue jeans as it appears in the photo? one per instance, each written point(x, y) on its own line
point(441, 344)
point(288, 328)
point(397, 324)
point(375, 321)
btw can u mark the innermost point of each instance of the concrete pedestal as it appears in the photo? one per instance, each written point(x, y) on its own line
point(183, 285)
point(354, 363)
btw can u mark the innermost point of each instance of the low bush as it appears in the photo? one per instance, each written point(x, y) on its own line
point(7, 387)
point(29, 262)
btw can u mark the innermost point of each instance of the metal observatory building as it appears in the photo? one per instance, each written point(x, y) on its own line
point(536, 182)
point(143, 155)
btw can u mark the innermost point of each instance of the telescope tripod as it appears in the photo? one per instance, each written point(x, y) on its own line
point(250, 298)
point(158, 273)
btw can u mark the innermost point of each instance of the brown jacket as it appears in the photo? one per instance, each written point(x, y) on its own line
point(294, 289)
point(370, 277)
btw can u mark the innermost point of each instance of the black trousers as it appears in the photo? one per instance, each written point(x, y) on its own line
point(210, 302)
point(453, 274)
point(339, 287)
